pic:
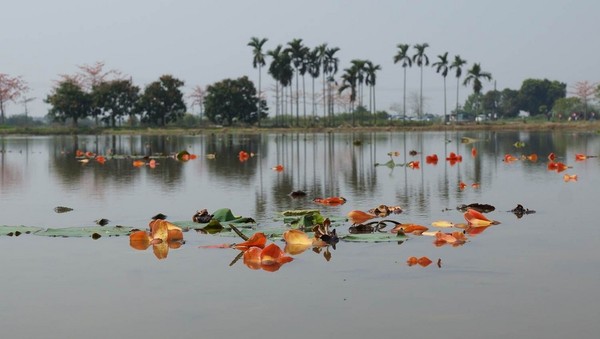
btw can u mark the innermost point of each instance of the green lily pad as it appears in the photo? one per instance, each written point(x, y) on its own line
point(18, 230)
point(373, 237)
point(225, 215)
point(91, 231)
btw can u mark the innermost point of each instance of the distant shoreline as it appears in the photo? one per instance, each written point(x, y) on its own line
point(593, 126)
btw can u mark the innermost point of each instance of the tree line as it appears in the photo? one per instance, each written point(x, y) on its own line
point(109, 96)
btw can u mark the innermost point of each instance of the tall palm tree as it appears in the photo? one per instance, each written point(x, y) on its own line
point(330, 68)
point(457, 64)
point(349, 81)
point(314, 70)
point(297, 51)
point(275, 71)
point(442, 66)
point(421, 59)
point(371, 80)
point(402, 56)
point(322, 50)
point(474, 75)
point(258, 60)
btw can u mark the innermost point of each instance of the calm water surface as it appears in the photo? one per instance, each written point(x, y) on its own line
point(530, 277)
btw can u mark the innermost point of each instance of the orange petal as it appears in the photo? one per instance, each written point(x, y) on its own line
point(411, 228)
point(572, 177)
point(272, 254)
point(414, 164)
point(476, 219)
point(475, 185)
point(424, 261)
point(560, 167)
point(138, 163)
point(193, 156)
point(296, 237)
point(159, 230)
point(89, 154)
point(139, 240)
point(552, 166)
point(551, 156)
point(532, 157)
point(152, 163)
point(256, 240)
point(412, 261)
point(462, 185)
point(359, 217)
point(100, 159)
point(161, 250)
point(79, 153)
point(473, 152)
point(440, 236)
point(278, 168)
point(252, 258)
point(332, 201)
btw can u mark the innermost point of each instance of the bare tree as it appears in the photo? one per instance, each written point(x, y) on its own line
point(585, 91)
point(197, 96)
point(11, 88)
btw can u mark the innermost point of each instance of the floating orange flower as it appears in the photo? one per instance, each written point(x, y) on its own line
point(431, 159)
point(163, 235)
point(278, 168)
point(423, 261)
point(243, 156)
point(453, 158)
point(100, 159)
point(475, 185)
point(89, 154)
point(256, 240)
point(138, 163)
point(79, 153)
point(572, 177)
point(462, 185)
point(473, 152)
point(270, 259)
point(509, 158)
point(560, 167)
point(580, 157)
point(332, 201)
point(152, 163)
point(477, 219)
point(551, 156)
point(409, 228)
point(359, 217)
point(532, 157)
point(413, 164)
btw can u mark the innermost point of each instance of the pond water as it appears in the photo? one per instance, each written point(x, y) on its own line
point(531, 277)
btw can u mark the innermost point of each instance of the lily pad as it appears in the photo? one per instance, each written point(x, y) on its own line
point(18, 230)
point(374, 237)
point(91, 231)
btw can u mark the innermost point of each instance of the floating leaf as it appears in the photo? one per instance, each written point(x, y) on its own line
point(85, 231)
point(272, 254)
point(278, 168)
point(532, 157)
point(467, 140)
point(473, 152)
point(519, 144)
point(509, 158)
point(62, 209)
point(374, 237)
point(18, 230)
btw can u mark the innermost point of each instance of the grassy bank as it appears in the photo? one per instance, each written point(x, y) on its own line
point(534, 125)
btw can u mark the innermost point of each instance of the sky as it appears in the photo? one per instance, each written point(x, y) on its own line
point(205, 41)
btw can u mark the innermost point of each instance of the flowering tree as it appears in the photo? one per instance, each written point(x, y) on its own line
point(11, 88)
point(584, 90)
point(197, 96)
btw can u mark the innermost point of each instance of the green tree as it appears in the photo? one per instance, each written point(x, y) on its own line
point(349, 81)
point(563, 107)
point(231, 100)
point(258, 60)
point(457, 65)
point(162, 101)
point(69, 101)
point(115, 99)
point(314, 70)
point(442, 67)
point(421, 59)
point(508, 106)
point(403, 57)
point(535, 93)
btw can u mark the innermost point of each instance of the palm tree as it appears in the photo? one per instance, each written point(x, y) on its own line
point(349, 80)
point(442, 66)
point(297, 52)
point(359, 67)
point(330, 68)
point(258, 60)
point(314, 69)
point(403, 57)
point(275, 71)
point(457, 64)
point(420, 58)
point(322, 50)
point(371, 80)
point(474, 75)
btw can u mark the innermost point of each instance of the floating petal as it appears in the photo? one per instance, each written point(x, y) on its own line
point(442, 223)
point(256, 240)
point(296, 237)
point(359, 217)
point(272, 254)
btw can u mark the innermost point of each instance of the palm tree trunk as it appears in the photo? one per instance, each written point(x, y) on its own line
point(457, 87)
point(297, 100)
point(314, 104)
point(304, 99)
point(445, 111)
point(404, 100)
point(421, 95)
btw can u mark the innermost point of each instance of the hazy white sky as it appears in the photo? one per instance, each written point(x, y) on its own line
point(204, 41)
